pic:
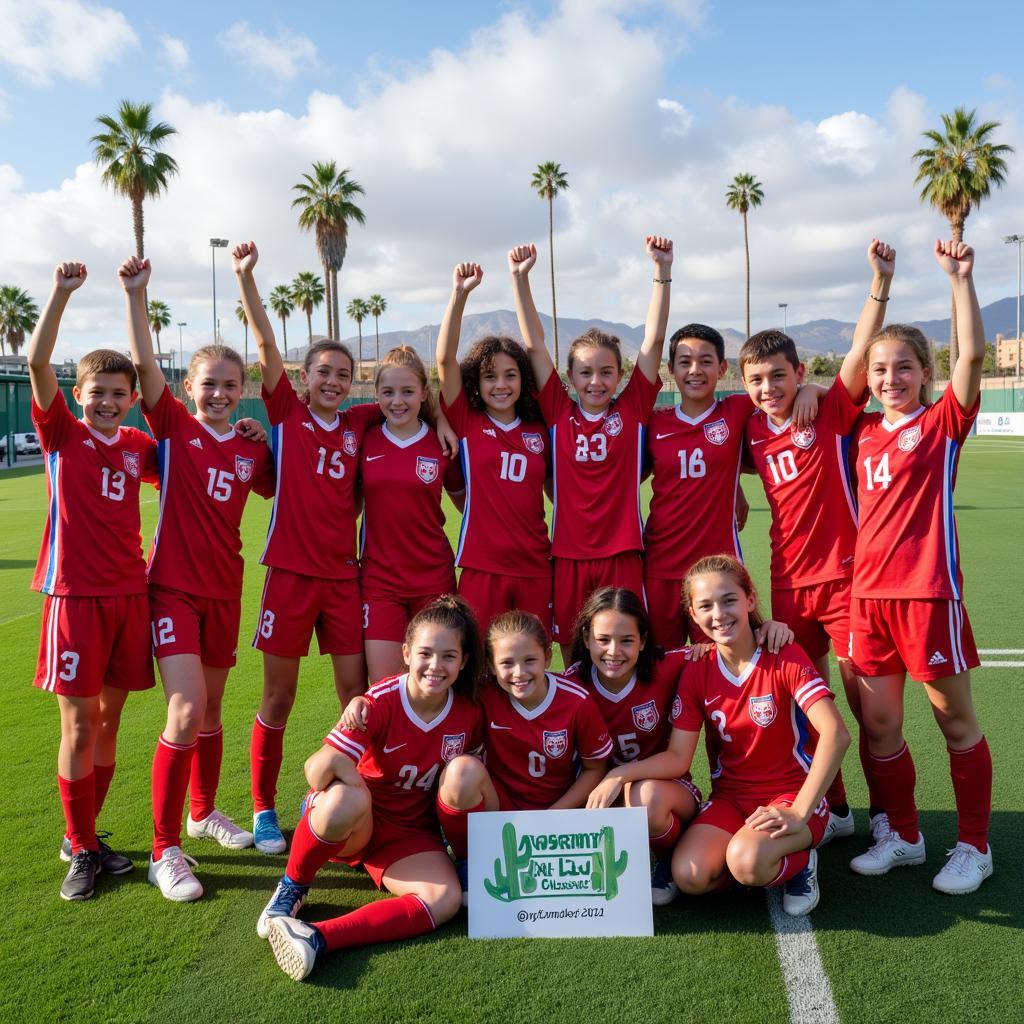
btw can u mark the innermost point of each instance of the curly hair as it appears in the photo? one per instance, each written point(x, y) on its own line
point(480, 358)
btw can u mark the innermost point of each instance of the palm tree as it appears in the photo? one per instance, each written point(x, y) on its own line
point(283, 304)
point(744, 194)
point(129, 153)
point(308, 293)
point(549, 179)
point(958, 171)
point(358, 310)
point(18, 316)
point(244, 321)
point(159, 317)
point(377, 305)
point(325, 201)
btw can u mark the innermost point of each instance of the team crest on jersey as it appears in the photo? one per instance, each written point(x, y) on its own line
point(763, 710)
point(533, 442)
point(556, 743)
point(717, 432)
point(909, 438)
point(646, 716)
point(613, 425)
point(348, 442)
point(426, 469)
point(677, 707)
point(131, 463)
point(803, 437)
point(243, 468)
point(452, 746)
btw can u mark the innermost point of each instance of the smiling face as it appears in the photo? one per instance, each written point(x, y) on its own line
point(772, 383)
point(896, 377)
point(595, 374)
point(721, 607)
point(519, 664)
point(105, 399)
point(400, 395)
point(500, 386)
point(216, 388)
point(435, 659)
point(329, 381)
point(696, 369)
point(614, 642)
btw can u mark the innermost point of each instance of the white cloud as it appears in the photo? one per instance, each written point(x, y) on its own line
point(174, 53)
point(852, 140)
point(67, 38)
point(679, 120)
point(284, 56)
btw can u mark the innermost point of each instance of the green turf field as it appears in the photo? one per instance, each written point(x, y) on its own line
point(892, 949)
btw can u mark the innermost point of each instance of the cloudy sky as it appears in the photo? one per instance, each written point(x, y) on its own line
point(442, 111)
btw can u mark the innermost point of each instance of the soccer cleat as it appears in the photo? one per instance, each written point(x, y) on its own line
point(837, 828)
point(80, 880)
point(663, 887)
point(287, 899)
point(220, 827)
point(111, 862)
point(296, 946)
point(172, 873)
point(462, 870)
point(800, 894)
point(880, 826)
point(891, 851)
point(267, 834)
point(965, 869)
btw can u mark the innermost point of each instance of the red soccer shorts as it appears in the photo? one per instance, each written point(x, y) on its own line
point(730, 812)
point(192, 624)
point(490, 593)
point(293, 606)
point(577, 578)
point(816, 614)
point(385, 616)
point(926, 638)
point(670, 625)
point(91, 642)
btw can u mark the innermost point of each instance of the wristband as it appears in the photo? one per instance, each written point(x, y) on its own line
point(877, 299)
point(663, 280)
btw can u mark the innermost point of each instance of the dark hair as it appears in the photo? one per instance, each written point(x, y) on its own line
point(699, 332)
point(615, 599)
point(480, 358)
point(918, 344)
point(769, 343)
point(409, 358)
point(104, 360)
point(326, 345)
point(451, 612)
point(213, 354)
point(594, 338)
point(732, 566)
point(514, 623)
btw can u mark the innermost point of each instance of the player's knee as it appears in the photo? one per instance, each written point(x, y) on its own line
point(277, 705)
point(881, 722)
point(692, 879)
point(743, 860)
point(443, 901)
point(959, 730)
point(79, 733)
point(639, 794)
point(461, 781)
point(340, 809)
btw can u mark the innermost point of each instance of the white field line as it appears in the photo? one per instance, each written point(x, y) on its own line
point(1002, 664)
point(808, 991)
point(1001, 650)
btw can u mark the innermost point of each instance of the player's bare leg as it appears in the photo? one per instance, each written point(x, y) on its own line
point(349, 676)
point(112, 701)
point(698, 862)
point(79, 728)
point(383, 659)
point(840, 822)
point(757, 859)
point(465, 788)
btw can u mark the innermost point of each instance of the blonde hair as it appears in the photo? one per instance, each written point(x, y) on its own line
point(728, 565)
point(407, 358)
point(514, 623)
point(213, 354)
point(918, 344)
point(594, 338)
point(104, 360)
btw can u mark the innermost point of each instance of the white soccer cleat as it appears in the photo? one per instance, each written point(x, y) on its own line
point(800, 894)
point(880, 826)
point(837, 828)
point(221, 828)
point(965, 869)
point(286, 902)
point(296, 946)
point(663, 886)
point(172, 874)
point(891, 851)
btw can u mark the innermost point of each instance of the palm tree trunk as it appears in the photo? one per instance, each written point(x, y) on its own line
point(336, 314)
point(246, 363)
point(138, 226)
point(746, 250)
point(376, 331)
point(327, 297)
point(957, 228)
point(551, 255)
point(284, 331)
point(359, 361)
point(309, 323)
point(157, 333)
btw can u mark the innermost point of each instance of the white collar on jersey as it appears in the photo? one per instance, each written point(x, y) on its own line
point(403, 689)
point(405, 442)
point(323, 424)
point(219, 438)
point(594, 417)
point(606, 693)
point(504, 426)
point(774, 429)
point(102, 437)
point(745, 674)
point(542, 706)
point(904, 421)
point(694, 420)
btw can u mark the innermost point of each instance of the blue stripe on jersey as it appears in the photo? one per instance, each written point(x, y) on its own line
point(163, 461)
point(803, 733)
point(464, 461)
point(554, 479)
point(277, 448)
point(845, 443)
point(948, 522)
point(53, 473)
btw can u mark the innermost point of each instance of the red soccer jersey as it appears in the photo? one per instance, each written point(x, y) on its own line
point(907, 545)
point(807, 483)
point(205, 479)
point(597, 462)
point(404, 546)
point(638, 716)
point(317, 464)
point(400, 756)
point(532, 754)
point(755, 724)
point(504, 466)
point(696, 471)
point(92, 542)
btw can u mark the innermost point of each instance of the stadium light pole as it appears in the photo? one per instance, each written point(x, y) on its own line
point(215, 244)
point(784, 306)
point(1009, 240)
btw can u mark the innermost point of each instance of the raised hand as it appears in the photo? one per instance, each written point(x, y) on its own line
point(69, 276)
point(881, 258)
point(659, 249)
point(134, 274)
point(521, 259)
point(955, 258)
point(244, 257)
point(466, 276)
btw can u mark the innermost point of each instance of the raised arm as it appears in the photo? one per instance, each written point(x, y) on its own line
point(957, 260)
point(67, 277)
point(520, 262)
point(647, 362)
point(465, 277)
point(134, 275)
point(853, 373)
point(243, 261)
